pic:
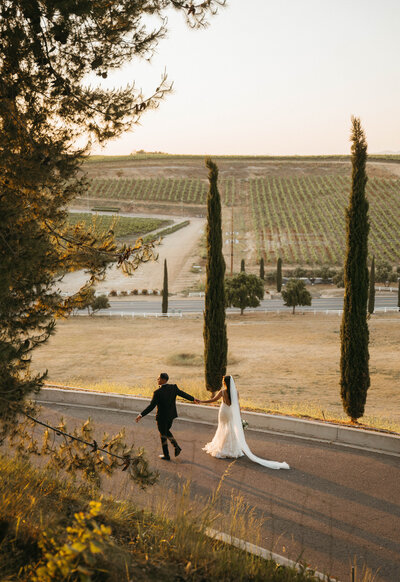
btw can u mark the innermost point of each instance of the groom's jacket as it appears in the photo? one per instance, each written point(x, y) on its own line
point(164, 398)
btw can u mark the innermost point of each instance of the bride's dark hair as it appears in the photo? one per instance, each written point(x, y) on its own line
point(227, 382)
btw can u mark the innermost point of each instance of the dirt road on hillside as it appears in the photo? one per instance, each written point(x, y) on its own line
point(180, 249)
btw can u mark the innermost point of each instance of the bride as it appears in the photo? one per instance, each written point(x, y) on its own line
point(229, 440)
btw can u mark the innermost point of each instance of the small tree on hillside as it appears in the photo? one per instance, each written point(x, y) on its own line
point(214, 331)
point(242, 266)
point(262, 272)
point(279, 275)
point(371, 296)
point(243, 291)
point(164, 307)
point(295, 293)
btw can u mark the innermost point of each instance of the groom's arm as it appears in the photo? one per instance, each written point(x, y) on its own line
point(183, 394)
point(149, 408)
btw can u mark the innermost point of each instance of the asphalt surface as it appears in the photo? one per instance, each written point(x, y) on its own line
point(196, 305)
point(336, 506)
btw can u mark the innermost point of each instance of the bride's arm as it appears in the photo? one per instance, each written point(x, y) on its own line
point(216, 397)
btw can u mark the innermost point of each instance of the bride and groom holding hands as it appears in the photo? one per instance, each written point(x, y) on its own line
point(229, 440)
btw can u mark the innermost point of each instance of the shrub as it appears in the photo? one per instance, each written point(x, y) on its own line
point(144, 291)
point(325, 272)
point(112, 293)
point(134, 292)
point(124, 293)
point(270, 276)
point(299, 272)
point(100, 302)
point(338, 279)
point(383, 271)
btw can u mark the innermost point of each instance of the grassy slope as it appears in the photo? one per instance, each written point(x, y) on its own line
point(138, 545)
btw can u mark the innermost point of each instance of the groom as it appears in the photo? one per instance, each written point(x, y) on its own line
point(164, 398)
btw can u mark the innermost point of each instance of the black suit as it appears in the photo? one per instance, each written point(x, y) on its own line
point(165, 400)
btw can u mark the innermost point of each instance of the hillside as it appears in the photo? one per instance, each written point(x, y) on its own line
point(293, 208)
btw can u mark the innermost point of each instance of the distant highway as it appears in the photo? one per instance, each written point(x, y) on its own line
point(196, 305)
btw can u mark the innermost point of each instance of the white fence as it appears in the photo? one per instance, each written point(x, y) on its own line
point(277, 310)
point(386, 289)
point(130, 314)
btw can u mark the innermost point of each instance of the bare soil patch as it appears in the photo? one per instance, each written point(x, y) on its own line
point(277, 359)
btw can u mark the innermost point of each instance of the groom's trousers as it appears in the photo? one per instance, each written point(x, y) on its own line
point(165, 434)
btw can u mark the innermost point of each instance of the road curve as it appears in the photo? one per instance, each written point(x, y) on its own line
point(335, 507)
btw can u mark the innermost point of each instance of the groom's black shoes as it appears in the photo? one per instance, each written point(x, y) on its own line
point(164, 458)
point(177, 451)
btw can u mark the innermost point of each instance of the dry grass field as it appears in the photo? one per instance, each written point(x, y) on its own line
point(281, 362)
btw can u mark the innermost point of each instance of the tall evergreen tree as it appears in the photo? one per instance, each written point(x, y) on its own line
point(215, 338)
point(242, 266)
point(398, 295)
point(371, 295)
point(164, 307)
point(354, 335)
point(47, 51)
point(279, 275)
point(262, 272)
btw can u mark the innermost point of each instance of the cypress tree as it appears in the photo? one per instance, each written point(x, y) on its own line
point(262, 273)
point(214, 332)
point(398, 295)
point(242, 266)
point(164, 307)
point(371, 296)
point(279, 275)
point(354, 335)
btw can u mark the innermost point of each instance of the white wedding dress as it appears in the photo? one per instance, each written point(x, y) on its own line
point(229, 440)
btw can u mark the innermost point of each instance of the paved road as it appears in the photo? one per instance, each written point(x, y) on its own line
point(335, 507)
point(196, 305)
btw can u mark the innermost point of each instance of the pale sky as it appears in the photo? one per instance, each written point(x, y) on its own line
point(273, 78)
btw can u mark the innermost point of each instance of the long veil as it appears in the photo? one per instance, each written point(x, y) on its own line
point(238, 428)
